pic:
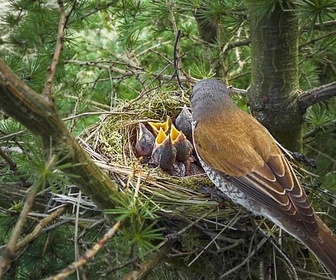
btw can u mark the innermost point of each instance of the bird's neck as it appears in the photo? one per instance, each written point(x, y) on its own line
point(211, 112)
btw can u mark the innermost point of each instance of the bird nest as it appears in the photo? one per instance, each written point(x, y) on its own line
point(214, 237)
point(111, 144)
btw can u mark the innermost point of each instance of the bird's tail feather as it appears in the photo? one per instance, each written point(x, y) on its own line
point(324, 248)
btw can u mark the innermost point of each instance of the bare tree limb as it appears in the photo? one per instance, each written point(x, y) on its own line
point(57, 52)
point(177, 59)
point(316, 95)
point(8, 160)
point(38, 228)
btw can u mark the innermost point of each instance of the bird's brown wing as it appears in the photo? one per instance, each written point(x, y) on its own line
point(283, 193)
point(253, 163)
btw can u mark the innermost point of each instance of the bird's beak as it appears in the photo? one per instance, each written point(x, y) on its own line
point(164, 125)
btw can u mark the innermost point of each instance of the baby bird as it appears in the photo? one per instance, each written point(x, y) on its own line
point(181, 143)
point(164, 153)
point(183, 122)
point(164, 125)
point(145, 141)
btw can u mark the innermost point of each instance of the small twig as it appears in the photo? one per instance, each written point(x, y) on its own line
point(251, 254)
point(9, 252)
point(313, 132)
point(12, 164)
point(38, 228)
point(104, 6)
point(312, 274)
point(238, 91)
point(327, 25)
point(147, 266)
point(107, 113)
point(177, 60)
point(118, 267)
point(177, 57)
point(321, 153)
point(11, 135)
point(137, 170)
point(57, 52)
point(214, 239)
point(76, 247)
point(287, 260)
point(195, 222)
point(88, 255)
point(314, 40)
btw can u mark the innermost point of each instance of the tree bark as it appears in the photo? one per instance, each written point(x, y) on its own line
point(274, 91)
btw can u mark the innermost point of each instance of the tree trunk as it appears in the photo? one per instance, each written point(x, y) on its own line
point(275, 82)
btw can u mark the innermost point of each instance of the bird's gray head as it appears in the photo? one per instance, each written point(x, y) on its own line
point(209, 96)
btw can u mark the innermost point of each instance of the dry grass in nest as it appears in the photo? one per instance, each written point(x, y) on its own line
point(209, 227)
point(111, 144)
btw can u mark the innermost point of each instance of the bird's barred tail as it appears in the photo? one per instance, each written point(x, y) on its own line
point(325, 250)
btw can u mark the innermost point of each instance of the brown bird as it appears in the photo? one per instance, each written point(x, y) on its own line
point(164, 153)
point(164, 125)
point(145, 141)
point(183, 122)
point(244, 161)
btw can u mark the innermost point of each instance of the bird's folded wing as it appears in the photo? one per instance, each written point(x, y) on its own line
point(256, 166)
point(278, 189)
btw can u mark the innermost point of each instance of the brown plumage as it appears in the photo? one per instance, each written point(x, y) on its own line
point(243, 160)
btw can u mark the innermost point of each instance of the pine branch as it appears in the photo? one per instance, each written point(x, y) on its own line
point(316, 95)
point(57, 52)
point(330, 125)
point(327, 25)
point(39, 116)
point(38, 228)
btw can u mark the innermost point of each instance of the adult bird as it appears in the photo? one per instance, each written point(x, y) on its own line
point(244, 161)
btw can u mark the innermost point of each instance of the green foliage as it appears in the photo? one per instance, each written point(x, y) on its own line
point(264, 7)
point(321, 126)
point(140, 229)
point(117, 50)
point(32, 163)
point(316, 11)
point(6, 224)
point(49, 253)
point(319, 117)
